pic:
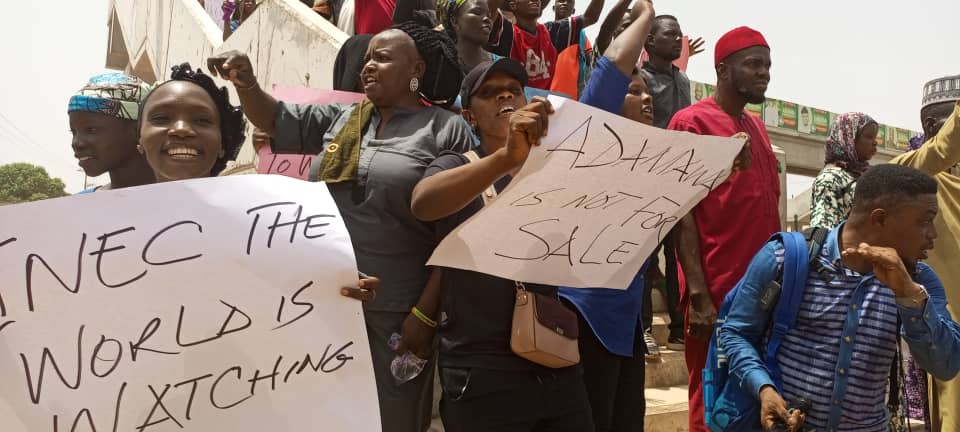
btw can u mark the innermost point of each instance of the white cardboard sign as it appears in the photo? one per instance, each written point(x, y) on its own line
point(591, 202)
point(204, 305)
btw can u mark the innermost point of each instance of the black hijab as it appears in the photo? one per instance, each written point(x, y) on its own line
point(349, 63)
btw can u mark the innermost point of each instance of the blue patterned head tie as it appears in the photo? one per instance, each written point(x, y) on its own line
point(447, 9)
point(113, 94)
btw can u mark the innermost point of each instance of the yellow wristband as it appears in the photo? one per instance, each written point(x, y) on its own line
point(423, 317)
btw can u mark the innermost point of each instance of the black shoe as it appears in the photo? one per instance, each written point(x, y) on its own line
point(675, 343)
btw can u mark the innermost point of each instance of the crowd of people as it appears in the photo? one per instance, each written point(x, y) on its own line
point(453, 106)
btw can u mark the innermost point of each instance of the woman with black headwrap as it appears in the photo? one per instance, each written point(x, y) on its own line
point(373, 154)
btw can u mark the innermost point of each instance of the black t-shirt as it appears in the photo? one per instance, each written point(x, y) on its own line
point(477, 308)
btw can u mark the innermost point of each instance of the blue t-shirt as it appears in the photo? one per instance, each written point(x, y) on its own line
point(611, 313)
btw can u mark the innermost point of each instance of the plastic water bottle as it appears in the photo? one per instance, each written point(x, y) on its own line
point(406, 366)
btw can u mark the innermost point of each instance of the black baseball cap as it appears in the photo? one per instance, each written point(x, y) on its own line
point(476, 77)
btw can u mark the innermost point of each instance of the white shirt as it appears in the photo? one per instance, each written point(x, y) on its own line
point(345, 20)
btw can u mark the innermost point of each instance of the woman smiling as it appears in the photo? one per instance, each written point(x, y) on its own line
point(188, 128)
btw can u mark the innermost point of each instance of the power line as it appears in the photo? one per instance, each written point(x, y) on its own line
point(10, 139)
point(15, 128)
point(28, 146)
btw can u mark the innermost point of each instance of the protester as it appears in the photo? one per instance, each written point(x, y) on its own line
point(611, 344)
point(373, 16)
point(574, 63)
point(670, 88)
point(869, 281)
point(328, 9)
point(849, 148)
point(486, 387)
point(373, 154)
point(712, 246)
point(469, 23)
point(235, 13)
point(349, 63)
point(938, 157)
point(617, 20)
point(188, 128)
point(103, 122)
point(345, 21)
point(533, 44)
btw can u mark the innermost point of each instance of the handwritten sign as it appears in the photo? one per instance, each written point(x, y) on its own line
point(205, 305)
point(591, 202)
point(298, 166)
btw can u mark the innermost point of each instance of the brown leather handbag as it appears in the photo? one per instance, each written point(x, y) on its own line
point(544, 330)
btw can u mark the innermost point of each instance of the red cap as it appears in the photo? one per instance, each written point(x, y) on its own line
point(736, 40)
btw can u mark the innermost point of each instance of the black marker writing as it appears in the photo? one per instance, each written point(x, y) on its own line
point(293, 300)
point(310, 224)
point(148, 331)
point(35, 385)
point(146, 248)
point(216, 383)
point(158, 404)
point(103, 250)
point(34, 257)
point(533, 198)
point(223, 328)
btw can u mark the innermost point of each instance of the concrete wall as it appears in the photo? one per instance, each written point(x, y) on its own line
point(287, 42)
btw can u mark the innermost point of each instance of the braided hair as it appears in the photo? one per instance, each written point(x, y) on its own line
point(444, 74)
point(232, 123)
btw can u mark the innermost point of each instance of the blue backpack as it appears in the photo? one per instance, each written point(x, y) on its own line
point(727, 405)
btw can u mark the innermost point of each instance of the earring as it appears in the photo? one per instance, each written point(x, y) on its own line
point(140, 149)
point(414, 84)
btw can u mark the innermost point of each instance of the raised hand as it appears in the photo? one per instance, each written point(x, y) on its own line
point(233, 66)
point(887, 266)
point(695, 46)
point(527, 126)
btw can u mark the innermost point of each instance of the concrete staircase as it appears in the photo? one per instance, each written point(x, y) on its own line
point(666, 381)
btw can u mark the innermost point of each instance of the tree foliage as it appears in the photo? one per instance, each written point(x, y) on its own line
point(23, 182)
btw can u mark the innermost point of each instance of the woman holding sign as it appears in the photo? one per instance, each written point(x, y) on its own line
point(188, 129)
point(373, 154)
point(488, 383)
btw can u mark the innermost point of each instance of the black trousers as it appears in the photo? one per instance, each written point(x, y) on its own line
point(485, 400)
point(615, 384)
point(672, 288)
point(405, 407)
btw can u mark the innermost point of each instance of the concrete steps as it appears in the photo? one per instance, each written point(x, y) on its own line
point(666, 409)
point(670, 371)
point(666, 380)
